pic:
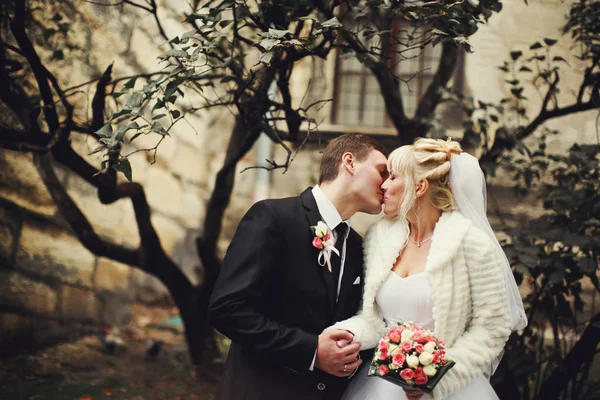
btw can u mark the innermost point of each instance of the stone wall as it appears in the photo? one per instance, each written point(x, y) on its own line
point(48, 279)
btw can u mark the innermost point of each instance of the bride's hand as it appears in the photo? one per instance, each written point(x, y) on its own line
point(413, 394)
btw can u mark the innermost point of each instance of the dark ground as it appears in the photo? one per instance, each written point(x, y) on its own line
point(83, 370)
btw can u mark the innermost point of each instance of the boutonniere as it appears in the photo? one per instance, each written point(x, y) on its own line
point(323, 241)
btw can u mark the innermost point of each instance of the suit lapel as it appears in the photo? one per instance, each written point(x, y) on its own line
point(312, 217)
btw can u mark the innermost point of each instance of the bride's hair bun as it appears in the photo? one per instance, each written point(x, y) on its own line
point(437, 149)
point(425, 159)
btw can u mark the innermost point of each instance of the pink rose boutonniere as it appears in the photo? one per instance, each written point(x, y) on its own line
point(324, 242)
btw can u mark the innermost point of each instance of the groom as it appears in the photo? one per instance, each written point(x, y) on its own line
point(276, 294)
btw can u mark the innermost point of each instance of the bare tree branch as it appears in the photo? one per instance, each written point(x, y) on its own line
point(433, 95)
point(77, 220)
point(99, 102)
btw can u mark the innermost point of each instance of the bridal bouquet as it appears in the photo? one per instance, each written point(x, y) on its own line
point(410, 356)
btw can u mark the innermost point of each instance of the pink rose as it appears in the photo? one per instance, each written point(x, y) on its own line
point(441, 344)
point(407, 374)
point(423, 339)
point(417, 335)
point(383, 345)
point(398, 359)
point(383, 370)
point(326, 237)
point(436, 357)
point(394, 336)
point(419, 372)
point(383, 355)
point(421, 379)
point(406, 347)
point(419, 348)
point(318, 243)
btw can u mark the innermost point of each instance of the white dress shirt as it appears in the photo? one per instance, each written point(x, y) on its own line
point(331, 218)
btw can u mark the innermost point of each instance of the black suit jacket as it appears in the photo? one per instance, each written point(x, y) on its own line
point(273, 299)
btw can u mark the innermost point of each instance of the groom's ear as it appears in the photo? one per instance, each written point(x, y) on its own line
point(348, 162)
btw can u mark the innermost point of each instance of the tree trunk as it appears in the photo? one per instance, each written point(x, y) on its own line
point(581, 354)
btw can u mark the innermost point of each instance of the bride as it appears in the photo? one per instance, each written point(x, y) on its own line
point(434, 260)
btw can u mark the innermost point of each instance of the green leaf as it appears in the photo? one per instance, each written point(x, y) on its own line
point(525, 69)
point(57, 17)
point(269, 43)
point(106, 131)
point(535, 46)
point(171, 88)
point(98, 149)
point(58, 55)
point(587, 265)
point(517, 92)
point(494, 118)
point(188, 34)
point(175, 114)
point(225, 23)
point(512, 82)
point(278, 34)
point(503, 68)
point(130, 83)
point(158, 128)
point(331, 23)
point(266, 57)
point(228, 78)
point(559, 58)
point(125, 167)
point(48, 33)
point(149, 87)
point(174, 53)
point(159, 116)
point(120, 113)
point(160, 103)
point(557, 277)
point(515, 55)
point(549, 42)
point(135, 100)
point(135, 136)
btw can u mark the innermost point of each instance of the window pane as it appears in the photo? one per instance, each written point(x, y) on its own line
point(359, 99)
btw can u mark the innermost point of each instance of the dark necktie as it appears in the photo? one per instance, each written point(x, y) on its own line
point(336, 261)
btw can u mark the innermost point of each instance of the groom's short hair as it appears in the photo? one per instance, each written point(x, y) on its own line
point(356, 143)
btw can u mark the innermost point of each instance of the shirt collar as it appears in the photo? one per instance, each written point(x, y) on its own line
point(330, 214)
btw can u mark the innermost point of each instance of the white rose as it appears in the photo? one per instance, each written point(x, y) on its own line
point(429, 370)
point(407, 334)
point(393, 349)
point(429, 347)
point(412, 361)
point(426, 358)
point(321, 229)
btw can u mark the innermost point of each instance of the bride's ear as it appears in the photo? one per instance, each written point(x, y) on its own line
point(422, 188)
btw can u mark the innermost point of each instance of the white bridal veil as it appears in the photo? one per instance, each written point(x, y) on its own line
point(467, 183)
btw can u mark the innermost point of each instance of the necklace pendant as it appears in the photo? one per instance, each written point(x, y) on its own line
point(419, 244)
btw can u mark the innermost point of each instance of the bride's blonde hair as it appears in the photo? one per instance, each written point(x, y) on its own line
point(424, 159)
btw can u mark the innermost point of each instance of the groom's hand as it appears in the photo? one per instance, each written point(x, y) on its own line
point(333, 359)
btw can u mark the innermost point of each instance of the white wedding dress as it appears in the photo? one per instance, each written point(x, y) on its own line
point(407, 299)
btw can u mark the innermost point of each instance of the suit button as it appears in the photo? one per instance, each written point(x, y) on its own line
point(321, 386)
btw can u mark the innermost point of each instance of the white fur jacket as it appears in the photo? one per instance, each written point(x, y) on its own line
point(467, 286)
